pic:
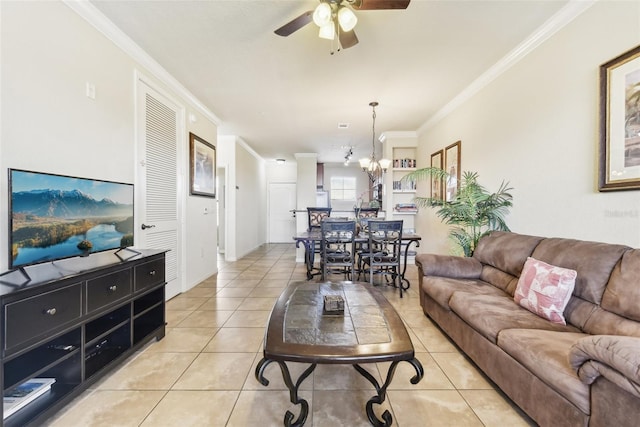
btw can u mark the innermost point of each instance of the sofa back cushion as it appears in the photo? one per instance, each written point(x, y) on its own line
point(593, 262)
point(506, 252)
point(622, 295)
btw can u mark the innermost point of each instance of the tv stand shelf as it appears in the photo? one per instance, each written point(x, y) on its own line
point(74, 321)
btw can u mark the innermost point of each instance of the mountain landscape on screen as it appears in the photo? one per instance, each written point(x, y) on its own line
point(70, 217)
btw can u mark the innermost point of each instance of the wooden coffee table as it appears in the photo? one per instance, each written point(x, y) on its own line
point(369, 331)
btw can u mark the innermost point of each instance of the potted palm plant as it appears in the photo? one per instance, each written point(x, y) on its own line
point(473, 212)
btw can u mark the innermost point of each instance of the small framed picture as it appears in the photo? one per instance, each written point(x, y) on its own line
point(436, 182)
point(202, 167)
point(619, 159)
point(452, 167)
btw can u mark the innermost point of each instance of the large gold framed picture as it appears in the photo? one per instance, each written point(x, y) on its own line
point(619, 159)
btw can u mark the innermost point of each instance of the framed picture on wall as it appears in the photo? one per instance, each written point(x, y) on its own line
point(436, 183)
point(452, 167)
point(202, 167)
point(619, 159)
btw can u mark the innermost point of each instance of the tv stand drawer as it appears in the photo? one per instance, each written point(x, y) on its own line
point(149, 274)
point(108, 289)
point(38, 315)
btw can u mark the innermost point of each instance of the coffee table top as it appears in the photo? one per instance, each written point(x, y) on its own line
point(370, 330)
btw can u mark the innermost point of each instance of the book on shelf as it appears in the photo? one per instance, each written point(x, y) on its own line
point(404, 163)
point(399, 185)
point(20, 396)
point(406, 207)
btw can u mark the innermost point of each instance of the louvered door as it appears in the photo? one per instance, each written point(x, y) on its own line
point(158, 207)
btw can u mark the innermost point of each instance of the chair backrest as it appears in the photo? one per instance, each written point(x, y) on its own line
point(337, 244)
point(338, 232)
point(316, 216)
point(367, 212)
point(385, 237)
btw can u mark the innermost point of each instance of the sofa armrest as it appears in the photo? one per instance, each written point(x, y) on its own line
point(615, 357)
point(449, 266)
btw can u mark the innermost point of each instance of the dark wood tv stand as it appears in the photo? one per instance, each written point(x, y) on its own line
point(74, 321)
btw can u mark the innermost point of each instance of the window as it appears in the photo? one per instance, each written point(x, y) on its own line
point(343, 188)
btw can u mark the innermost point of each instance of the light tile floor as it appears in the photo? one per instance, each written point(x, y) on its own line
point(202, 372)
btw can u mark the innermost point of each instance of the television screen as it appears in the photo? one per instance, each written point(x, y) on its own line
point(54, 216)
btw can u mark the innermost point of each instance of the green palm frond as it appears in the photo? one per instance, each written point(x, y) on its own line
point(473, 212)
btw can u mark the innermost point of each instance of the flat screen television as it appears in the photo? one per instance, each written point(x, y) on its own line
point(52, 217)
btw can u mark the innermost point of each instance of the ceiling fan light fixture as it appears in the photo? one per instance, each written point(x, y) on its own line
point(328, 31)
point(322, 15)
point(347, 18)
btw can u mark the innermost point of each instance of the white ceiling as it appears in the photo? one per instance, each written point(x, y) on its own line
point(286, 95)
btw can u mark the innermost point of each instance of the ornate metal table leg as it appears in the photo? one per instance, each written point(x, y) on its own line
point(404, 267)
point(293, 390)
point(382, 390)
point(308, 256)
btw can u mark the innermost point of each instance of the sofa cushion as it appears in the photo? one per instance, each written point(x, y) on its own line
point(490, 314)
point(622, 295)
point(593, 261)
point(546, 355)
point(603, 322)
point(506, 251)
point(499, 279)
point(545, 289)
point(441, 289)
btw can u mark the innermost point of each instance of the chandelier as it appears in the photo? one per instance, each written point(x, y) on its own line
point(326, 15)
point(373, 167)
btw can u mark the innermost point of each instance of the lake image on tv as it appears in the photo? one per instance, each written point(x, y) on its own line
point(69, 217)
point(102, 237)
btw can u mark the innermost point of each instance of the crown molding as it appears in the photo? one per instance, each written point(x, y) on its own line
point(241, 142)
point(554, 24)
point(101, 23)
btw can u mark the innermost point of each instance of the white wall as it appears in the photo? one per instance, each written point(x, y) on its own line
point(536, 126)
point(246, 223)
point(251, 200)
point(48, 53)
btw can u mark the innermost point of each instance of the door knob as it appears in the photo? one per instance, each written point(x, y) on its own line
point(145, 226)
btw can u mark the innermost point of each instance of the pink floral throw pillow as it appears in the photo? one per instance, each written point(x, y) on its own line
point(545, 289)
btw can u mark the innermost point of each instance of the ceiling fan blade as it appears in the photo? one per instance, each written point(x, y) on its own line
point(295, 24)
point(348, 39)
point(380, 4)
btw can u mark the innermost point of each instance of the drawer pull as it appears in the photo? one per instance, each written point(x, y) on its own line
point(51, 311)
point(152, 273)
point(113, 288)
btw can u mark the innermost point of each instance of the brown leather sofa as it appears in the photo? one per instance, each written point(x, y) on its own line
point(586, 372)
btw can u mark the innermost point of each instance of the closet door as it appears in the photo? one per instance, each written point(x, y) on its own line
point(158, 217)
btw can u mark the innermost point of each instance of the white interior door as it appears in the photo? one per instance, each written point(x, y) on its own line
point(159, 127)
point(282, 224)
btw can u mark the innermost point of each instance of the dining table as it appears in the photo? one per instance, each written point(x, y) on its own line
point(308, 239)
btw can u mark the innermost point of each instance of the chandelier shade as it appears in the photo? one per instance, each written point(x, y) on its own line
point(322, 14)
point(328, 31)
point(347, 19)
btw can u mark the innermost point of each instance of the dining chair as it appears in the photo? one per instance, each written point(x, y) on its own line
point(316, 216)
point(383, 257)
point(366, 212)
point(337, 248)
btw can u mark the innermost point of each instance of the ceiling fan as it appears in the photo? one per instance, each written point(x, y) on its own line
point(337, 17)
